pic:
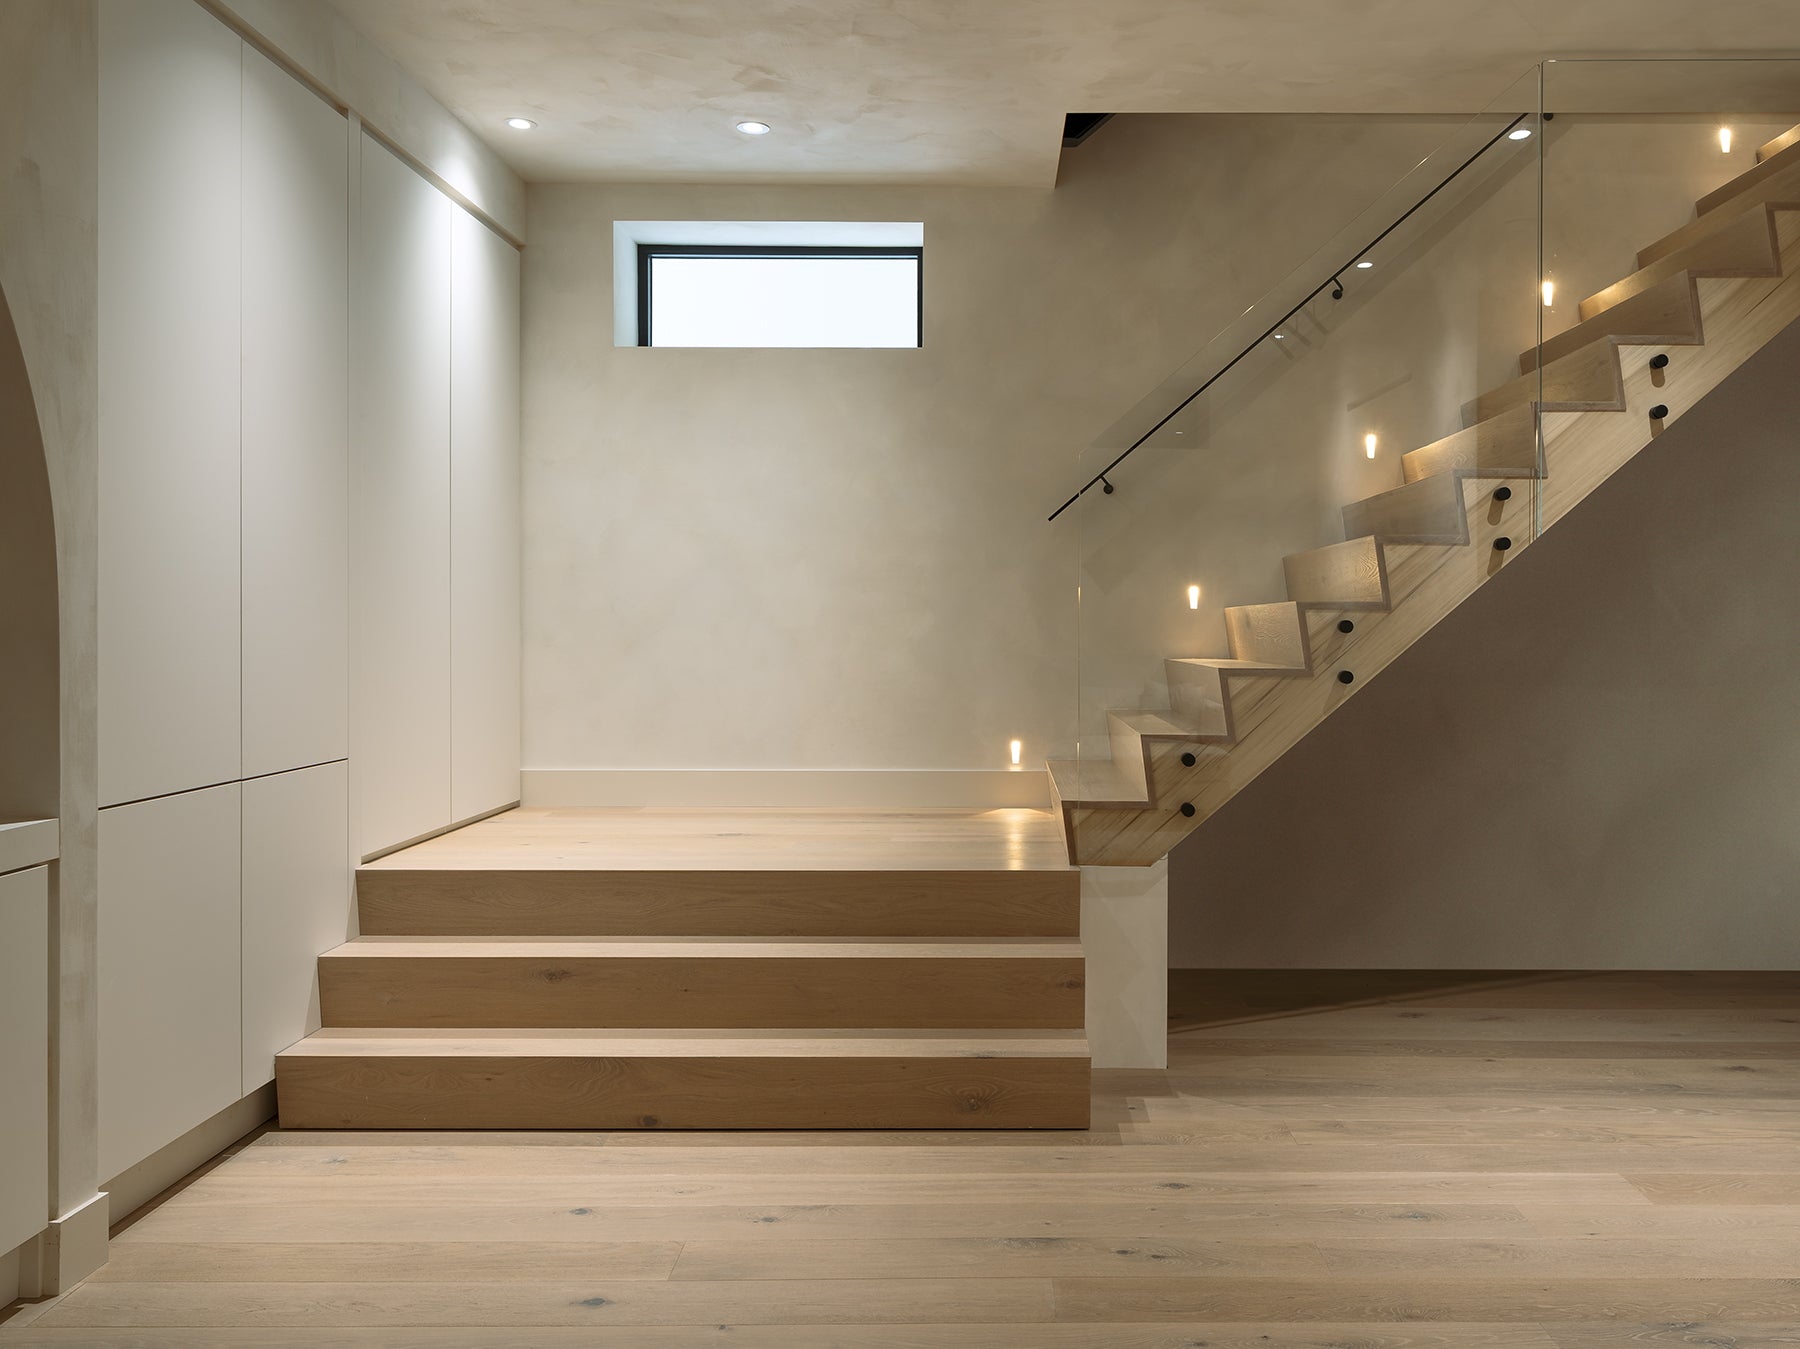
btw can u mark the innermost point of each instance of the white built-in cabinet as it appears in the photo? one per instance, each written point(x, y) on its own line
point(296, 903)
point(436, 447)
point(309, 570)
point(170, 983)
point(485, 513)
point(402, 554)
point(295, 454)
point(170, 192)
point(24, 1054)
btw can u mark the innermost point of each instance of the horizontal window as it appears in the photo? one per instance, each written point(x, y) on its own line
point(730, 295)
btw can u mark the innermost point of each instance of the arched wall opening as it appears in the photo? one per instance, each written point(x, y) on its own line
point(29, 717)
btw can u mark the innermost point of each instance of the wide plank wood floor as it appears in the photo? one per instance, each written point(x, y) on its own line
point(1411, 1160)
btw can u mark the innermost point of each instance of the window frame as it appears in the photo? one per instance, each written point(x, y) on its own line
point(648, 253)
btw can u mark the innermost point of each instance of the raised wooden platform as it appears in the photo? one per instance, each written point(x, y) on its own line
point(706, 969)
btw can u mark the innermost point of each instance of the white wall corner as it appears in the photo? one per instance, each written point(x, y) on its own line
point(1125, 935)
point(75, 1245)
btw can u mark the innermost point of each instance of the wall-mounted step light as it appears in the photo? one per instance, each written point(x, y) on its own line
point(1724, 140)
point(755, 128)
point(1364, 265)
point(1193, 597)
point(1018, 748)
point(1549, 293)
point(1519, 133)
point(520, 123)
point(1369, 443)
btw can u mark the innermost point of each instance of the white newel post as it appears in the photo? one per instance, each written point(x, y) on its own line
point(1125, 934)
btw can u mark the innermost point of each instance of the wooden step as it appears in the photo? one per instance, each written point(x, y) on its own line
point(1427, 511)
point(1666, 313)
point(1587, 380)
point(1271, 633)
point(693, 981)
point(1349, 575)
point(1767, 167)
point(684, 1079)
point(1781, 189)
point(1505, 446)
point(1770, 148)
point(572, 902)
point(1744, 246)
point(1093, 780)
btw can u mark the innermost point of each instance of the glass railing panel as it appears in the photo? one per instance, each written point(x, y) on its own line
point(1250, 452)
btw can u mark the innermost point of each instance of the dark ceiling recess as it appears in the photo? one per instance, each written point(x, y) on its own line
point(1078, 126)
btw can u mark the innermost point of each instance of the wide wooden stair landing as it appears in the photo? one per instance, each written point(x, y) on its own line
point(672, 969)
point(1646, 350)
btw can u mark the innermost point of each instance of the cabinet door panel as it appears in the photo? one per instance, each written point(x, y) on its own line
point(171, 1046)
point(484, 520)
point(296, 424)
point(296, 905)
point(400, 691)
point(170, 88)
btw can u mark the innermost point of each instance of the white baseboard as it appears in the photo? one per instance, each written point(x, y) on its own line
point(137, 1185)
point(74, 1245)
point(794, 788)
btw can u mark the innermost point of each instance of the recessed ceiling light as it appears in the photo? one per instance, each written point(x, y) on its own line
point(754, 128)
point(1364, 266)
point(1519, 133)
point(520, 123)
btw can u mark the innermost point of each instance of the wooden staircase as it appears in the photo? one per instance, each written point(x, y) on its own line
point(567, 990)
point(1646, 350)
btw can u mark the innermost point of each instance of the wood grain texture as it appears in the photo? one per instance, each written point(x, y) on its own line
point(1549, 1179)
point(750, 982)
point(516, 901)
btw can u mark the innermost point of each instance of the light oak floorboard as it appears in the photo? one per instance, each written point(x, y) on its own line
point(1385, 1161)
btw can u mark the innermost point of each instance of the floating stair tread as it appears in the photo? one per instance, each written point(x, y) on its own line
point(1767, 166)
point(1172, 724)
point(584, 1043)
point(1747, 245)
point(1781, 188)
point(1429, 510)
point(1230, 666)
point(1505, 446)
point(1667, 312)
point(1588, 379)
point(1348, 575)
point(699, 948)
point(1771, 148)
point(1094, 781)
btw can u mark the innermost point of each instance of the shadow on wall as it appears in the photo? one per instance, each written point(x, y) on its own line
point(28, 616)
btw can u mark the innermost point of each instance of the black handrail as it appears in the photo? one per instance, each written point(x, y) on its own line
point(1100, 478)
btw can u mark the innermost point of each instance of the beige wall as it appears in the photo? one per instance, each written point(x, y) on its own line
point(1593, 763)
point(838, 559)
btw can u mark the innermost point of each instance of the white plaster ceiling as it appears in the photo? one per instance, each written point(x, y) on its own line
point(973, 91)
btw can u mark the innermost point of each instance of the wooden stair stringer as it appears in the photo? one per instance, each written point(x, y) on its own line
point(1582, 448)
point(1746, 246)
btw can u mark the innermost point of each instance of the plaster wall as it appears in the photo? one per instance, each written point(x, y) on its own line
point(801, 559)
